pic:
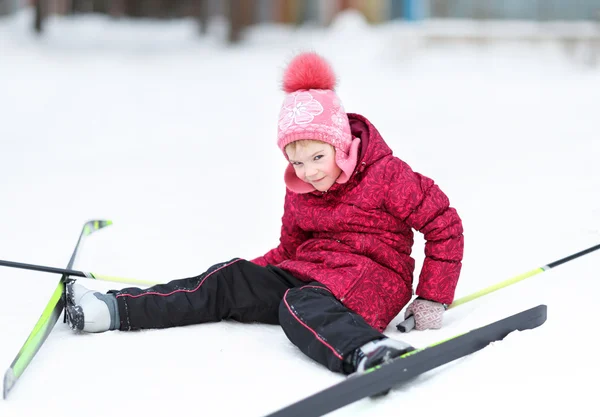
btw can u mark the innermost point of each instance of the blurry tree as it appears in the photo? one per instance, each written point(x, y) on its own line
point(241, 14)
point(38, 21)
point(287, 11)
point(201, 13)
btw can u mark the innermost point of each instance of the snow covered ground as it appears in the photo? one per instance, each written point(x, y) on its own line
point(172, 137)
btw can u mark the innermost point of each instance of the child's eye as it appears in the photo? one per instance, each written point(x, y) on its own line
point(318, 157)
point(297, 163)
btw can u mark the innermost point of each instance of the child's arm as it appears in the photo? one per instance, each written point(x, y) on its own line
point(419, 202)
point(291, 237)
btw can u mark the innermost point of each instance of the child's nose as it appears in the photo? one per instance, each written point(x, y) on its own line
point(311, 172)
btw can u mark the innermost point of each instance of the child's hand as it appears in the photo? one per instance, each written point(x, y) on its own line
point(427, 314)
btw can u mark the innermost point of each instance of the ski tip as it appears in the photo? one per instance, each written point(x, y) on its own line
point(544, 311)
point(9, 382)
point(93, 225)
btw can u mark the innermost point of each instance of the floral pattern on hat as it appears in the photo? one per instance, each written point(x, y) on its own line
point(339, 118)
point(299, 108)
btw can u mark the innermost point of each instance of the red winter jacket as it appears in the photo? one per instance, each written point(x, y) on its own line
point(357, 237)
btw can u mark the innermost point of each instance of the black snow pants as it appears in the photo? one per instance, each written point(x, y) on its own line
point(311, 317)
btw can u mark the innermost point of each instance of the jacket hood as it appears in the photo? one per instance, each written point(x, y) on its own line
point(372, 145)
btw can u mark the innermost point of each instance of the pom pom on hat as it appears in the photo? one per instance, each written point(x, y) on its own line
point(308, 71)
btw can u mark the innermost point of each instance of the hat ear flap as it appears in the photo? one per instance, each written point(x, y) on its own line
point(295, 184)
point(347, 163)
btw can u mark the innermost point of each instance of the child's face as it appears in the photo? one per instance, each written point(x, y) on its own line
point(314, 163)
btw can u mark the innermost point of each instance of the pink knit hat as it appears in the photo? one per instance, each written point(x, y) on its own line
point(312, 110)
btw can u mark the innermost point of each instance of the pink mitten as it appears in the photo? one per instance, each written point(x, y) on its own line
point(427, 314)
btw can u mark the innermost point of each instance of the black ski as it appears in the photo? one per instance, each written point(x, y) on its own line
point(382, 378)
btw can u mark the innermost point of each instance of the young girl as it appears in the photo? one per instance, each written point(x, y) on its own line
point(342, 270)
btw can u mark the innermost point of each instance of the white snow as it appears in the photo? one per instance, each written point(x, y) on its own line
point(172, 137)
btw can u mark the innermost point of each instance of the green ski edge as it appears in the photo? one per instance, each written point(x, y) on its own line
point(440, 342)
point(40, 332)
point(419, 350)
point(48, 319)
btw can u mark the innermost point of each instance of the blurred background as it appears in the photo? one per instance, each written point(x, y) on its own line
point(241, 14)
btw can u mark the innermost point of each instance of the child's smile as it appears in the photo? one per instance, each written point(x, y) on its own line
point(314, 163)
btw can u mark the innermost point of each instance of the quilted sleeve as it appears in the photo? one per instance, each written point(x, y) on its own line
point(419, 202)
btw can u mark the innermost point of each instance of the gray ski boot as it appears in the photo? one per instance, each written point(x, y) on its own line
point(377, 352)
point(90, 311)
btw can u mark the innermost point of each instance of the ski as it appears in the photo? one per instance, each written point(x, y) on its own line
point(49, 316)
point(380, 379)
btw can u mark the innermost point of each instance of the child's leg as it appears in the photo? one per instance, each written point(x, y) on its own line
point(238, 290)
point(330, 333)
